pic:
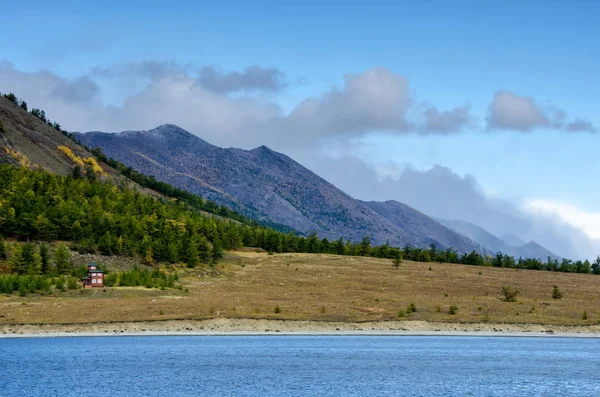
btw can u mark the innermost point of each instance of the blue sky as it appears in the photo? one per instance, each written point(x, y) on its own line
point(451, 53)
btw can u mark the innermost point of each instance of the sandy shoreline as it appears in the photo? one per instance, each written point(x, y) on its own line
point(223, 326)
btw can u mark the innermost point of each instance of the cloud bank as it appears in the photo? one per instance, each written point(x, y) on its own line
point(377, 100)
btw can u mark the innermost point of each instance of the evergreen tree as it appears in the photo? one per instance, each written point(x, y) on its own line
point(340, 247)
point(172, 252)
point(77, 173)
point(192, 256)
point(12, 97)
point(28, 253)
point(217, 250)
point(365, 246)
point(596, 266)
point(398, 260)
point(586, 268)
point(62, 259)
point(105, 244)
point(17, 264)
point(90, 175)
point(44, 259)
point(203, 248)
point(3, 249)
point(556, 293)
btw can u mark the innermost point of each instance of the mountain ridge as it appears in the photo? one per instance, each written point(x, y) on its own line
point(262, 183)
point(495, 244)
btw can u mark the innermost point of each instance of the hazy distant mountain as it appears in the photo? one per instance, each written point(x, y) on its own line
point(267, 185)
point(495, 244)
point(410, 220)
point(512, 240)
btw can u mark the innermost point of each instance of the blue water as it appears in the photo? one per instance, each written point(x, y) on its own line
point(299, 366)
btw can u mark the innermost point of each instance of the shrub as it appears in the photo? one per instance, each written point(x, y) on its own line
point(23, 284)
point(509, 294)
point(584, 316)
point(556, 293)
point(323, 309)
point(277, 309)
point(452, 309)
point(401, 314)
point(72, 283)
point(411, 308)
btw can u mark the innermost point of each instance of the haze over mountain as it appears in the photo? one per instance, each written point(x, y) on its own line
point(269, 185)
point(495, 244)
point(512, 240)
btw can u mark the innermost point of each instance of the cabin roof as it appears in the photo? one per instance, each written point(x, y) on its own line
point(92, 264)
point(97, 271)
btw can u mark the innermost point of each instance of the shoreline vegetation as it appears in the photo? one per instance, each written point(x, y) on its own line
point(227, 326)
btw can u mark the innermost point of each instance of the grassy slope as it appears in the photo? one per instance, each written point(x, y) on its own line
point(349, 289)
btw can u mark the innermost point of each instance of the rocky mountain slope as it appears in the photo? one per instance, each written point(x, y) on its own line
point(495, 244)
point(266, 185)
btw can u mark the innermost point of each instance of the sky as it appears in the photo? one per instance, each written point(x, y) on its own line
point(484, 111)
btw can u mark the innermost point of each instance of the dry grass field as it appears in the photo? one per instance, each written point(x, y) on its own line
point(326, 288)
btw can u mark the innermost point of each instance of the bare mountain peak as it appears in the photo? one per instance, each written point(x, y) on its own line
point(496, 244)
point(169, 131)
point(262, 148)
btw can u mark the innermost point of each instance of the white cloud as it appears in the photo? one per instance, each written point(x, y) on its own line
point(509, 111)
point(588, 222)
point(375, 100)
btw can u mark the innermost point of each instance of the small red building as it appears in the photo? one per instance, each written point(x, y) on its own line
point(95, 277)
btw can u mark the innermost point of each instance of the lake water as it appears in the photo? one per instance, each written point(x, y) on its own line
point(299, 366)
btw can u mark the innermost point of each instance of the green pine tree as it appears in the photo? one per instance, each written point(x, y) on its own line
point(217, 250)
point(3, 249)
point(398, 260)
point(17, 264)
point(192, 256)
point(62, 259)
point(28, 253)
point(44, 259)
